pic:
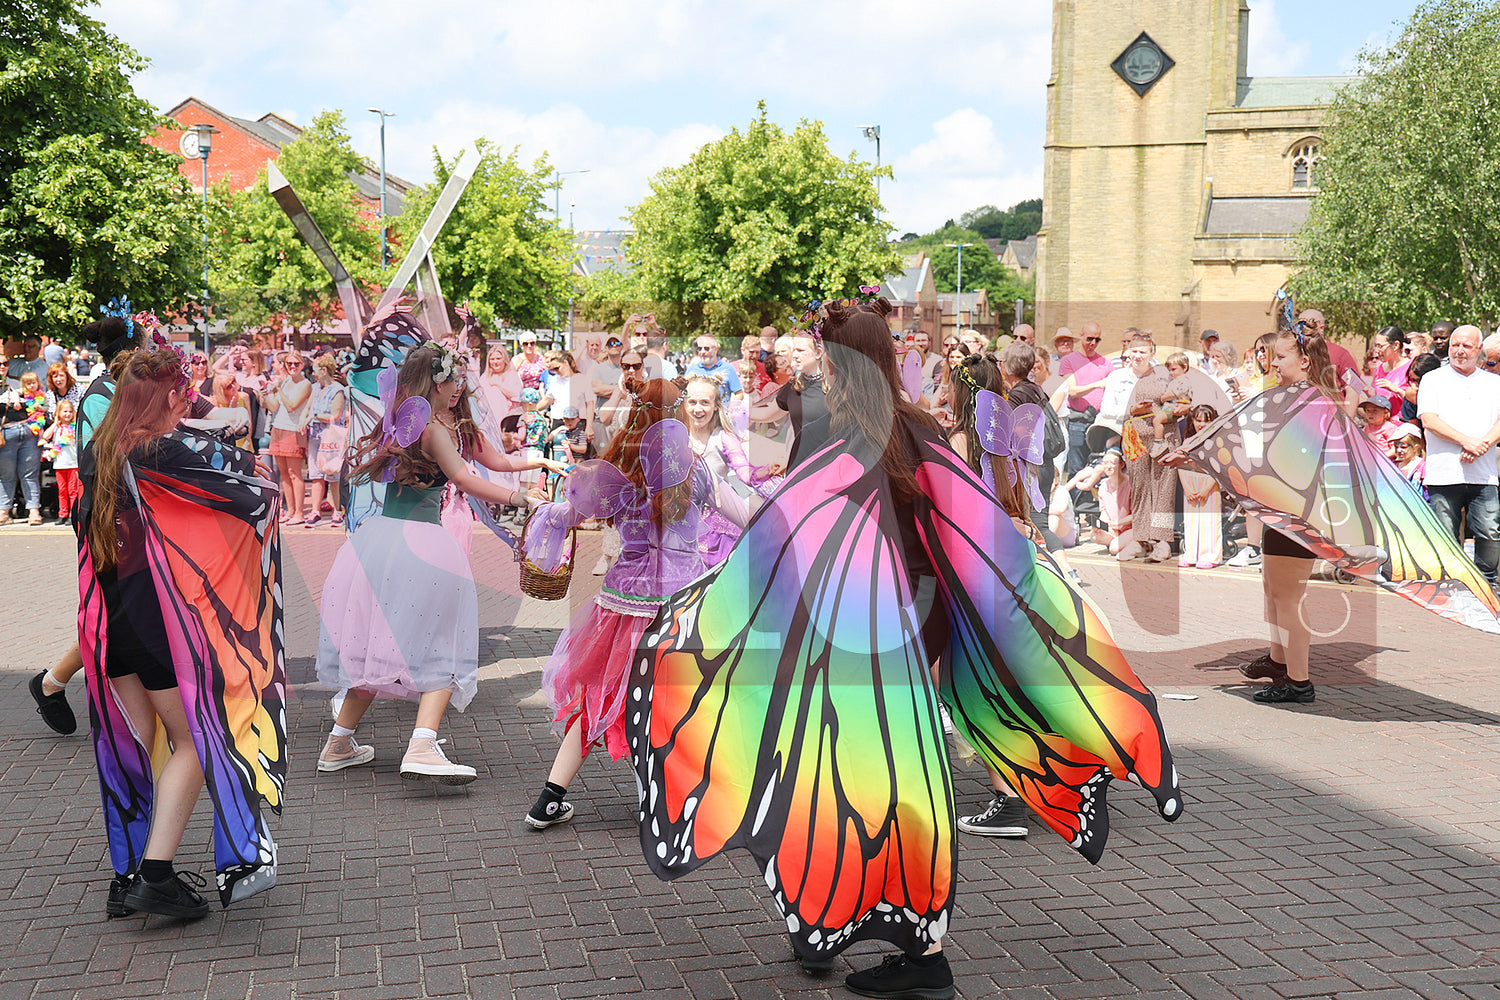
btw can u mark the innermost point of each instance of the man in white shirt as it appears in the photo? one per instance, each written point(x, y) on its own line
point(1459, 406)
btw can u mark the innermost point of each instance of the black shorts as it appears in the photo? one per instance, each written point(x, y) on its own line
point(136, 640)
point(1279, 543)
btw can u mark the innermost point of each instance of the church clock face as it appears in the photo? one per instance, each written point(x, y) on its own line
point(1142, 64)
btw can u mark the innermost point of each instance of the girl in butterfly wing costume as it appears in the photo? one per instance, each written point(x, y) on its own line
point(400, 614)
point(651, 488)
point(783, 703)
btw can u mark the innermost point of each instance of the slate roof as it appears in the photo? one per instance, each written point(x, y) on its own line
point(1271, 216)
point(1025, 251)
point(1287, 91)
point(905, 286)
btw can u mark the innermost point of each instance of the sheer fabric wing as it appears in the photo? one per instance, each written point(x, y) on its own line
point(783, 704)
point(1293, 459)
point(1032, 677)
point(386, 341)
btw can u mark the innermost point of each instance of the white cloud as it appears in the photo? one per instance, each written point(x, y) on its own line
point(964, 165)
point(619, 160)
point(1272, 53)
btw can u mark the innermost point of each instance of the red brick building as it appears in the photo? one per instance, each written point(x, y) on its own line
point(243, 146)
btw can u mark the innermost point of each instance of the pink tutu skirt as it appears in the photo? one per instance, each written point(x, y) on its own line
point(400, 613)
point(585, 678)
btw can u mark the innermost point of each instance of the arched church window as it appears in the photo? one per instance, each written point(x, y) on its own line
point(1304, 166)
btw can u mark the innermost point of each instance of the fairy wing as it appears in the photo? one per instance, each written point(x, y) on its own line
point(1028, 433)
point(666, 454)
point(783, 704)
point(1296, 461)
point(911, 376)
point(383, 347)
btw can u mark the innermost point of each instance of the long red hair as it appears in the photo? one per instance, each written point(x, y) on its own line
point(652, 402)
point(140, 413)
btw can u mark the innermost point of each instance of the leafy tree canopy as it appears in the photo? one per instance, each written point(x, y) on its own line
point(88, 210)
point(759, 221)
point(262, 272)
point(1021, 220)
point(1406, 225)
point(982, 269)
point(501, 250)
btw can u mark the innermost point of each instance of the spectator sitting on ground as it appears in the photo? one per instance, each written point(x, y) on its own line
point(1112, 487)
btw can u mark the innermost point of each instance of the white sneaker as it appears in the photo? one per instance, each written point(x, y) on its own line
point(425, 761)
point(1160, 552)
point(1129, 552)
point(1247, 556)
point(341, 752)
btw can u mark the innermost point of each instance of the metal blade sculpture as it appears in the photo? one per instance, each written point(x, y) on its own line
point(357, 311)
point(421, 246)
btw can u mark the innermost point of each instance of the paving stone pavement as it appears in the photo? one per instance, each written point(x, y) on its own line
point(1343, 849)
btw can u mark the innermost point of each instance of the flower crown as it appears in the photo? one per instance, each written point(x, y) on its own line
point(449, 363)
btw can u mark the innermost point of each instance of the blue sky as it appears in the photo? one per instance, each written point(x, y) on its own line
point(623, 88)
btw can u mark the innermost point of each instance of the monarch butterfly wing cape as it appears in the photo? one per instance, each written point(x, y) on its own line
point(1295, 460)
point(783, 704)
point(213, 555)
point(1031, 676)
point(385, 344)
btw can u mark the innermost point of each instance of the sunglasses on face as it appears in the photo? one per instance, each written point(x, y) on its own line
point(632, 368)
point(612, 343)
point(705, 350)
point(1092, 340)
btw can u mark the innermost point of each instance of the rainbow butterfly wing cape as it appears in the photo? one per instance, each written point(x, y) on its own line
point(784, 703)
point(1295, 460)
point(213, 565)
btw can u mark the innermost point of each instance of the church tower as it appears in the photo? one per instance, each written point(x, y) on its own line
point(1124, 185)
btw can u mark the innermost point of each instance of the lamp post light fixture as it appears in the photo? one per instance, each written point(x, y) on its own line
point(958, 301)
point(204, 139)
point(385, 246)
point(557, 176)
point(872, 132)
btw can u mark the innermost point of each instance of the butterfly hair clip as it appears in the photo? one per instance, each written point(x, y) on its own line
point(403, 424)
point(1016, 435)
point(120, 306)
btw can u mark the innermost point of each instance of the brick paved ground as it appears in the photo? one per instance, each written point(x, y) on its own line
point(1348, 848)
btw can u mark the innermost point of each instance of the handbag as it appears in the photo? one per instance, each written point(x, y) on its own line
point(331, 447)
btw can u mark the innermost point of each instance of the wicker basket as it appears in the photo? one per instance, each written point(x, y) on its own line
point(537, 582)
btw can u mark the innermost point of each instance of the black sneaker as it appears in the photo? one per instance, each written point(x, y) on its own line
point(550, 810)
point(1284, 692)
point(1005, 817)
point(115, 906)
point(897, 977)
point(53, 708)
point(1263, 668)
point(172, 898)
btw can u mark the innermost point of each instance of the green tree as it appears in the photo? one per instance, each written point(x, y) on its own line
point(263, 274)
point(982, 269)
point(1021, 220)
point(88, 210)
point(1406, 224)
point(501, 250)
point(759, 221)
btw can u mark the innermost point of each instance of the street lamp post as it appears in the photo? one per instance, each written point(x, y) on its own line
point(557, 176)
point(873, 132)
point(958, 301)
point(385, 246)
point(205, 136)
point(571, 205)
